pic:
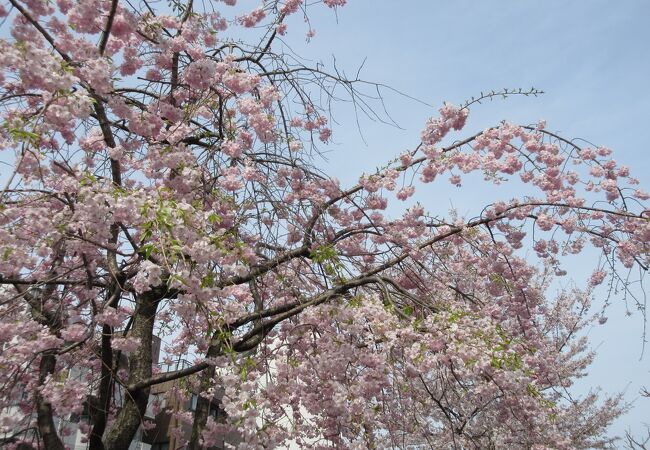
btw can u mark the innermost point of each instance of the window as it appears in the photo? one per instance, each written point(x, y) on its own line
point(214, 410)
point(214, 407)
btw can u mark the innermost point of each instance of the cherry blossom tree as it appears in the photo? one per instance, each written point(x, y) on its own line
point(161, 179)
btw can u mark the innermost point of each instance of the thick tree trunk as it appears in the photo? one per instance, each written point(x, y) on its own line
point(203, 404)
point(45, 416)
point(135, 402)
point(99, 411)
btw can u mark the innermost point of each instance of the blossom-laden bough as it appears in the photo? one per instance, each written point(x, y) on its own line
point(164, 181)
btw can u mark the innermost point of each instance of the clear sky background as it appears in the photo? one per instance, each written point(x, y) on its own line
point(591, 57)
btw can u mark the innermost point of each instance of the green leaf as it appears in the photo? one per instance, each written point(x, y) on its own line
point(208, 280)
point(24, 136)
point(147, 249)
point(355, 302)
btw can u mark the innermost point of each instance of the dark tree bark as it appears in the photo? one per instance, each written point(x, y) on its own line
point(130, 416)
point(45, 416)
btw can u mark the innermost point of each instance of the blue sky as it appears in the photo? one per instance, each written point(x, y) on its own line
point(592, 59)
